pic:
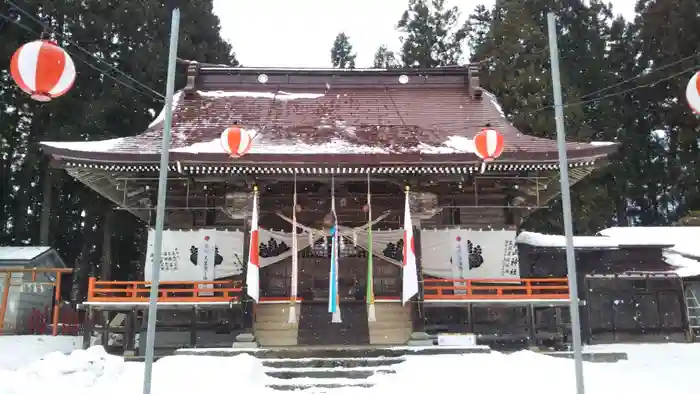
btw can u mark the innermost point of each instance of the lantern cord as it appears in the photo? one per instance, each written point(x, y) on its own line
point(47, 28)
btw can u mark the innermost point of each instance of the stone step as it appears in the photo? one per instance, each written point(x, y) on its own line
point(329, 373)
point(316, 328)
point(307, 352)
point(277, 315)
point(306, 386)
point(398, 323)
point(276, 337)
point(389, 336)
point(275, 326)
point(333, 353)
point(333, 362)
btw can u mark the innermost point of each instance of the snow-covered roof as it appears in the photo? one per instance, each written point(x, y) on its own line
point(681, 244)
point(683, 266)
point(21, 253)
point(559, 241)
point(656, 236)
point(361, 117)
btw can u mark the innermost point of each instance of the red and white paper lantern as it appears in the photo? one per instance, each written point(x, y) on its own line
point(236, 141)
point(43, 70)
point(488, 144)
point(692, 93)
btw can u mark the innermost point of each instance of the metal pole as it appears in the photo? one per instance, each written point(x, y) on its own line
point(566, 204)
point(160, 209)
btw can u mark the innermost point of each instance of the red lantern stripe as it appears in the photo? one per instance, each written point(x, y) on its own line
point(238, 141)
point(46, 60)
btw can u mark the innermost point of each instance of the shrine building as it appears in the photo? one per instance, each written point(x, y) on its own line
point(345, 140)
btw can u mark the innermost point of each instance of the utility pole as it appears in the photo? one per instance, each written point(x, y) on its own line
point(566, 204)
point(162, 190)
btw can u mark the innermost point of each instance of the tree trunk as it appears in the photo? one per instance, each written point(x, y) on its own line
point(45, 220)
point(106, 265)
point(82, 264)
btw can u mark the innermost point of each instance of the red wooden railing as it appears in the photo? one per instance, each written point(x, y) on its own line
point(496, 289)
point(173, 292)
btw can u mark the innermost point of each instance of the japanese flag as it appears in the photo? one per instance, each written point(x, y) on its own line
point(410, 274)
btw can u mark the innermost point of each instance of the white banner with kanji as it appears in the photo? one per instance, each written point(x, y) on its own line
point(469, 254)
point(206, 255)
point(197, 255)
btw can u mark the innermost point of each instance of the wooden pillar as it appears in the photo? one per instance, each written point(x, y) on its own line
point(143, 328)
point(418, 310)
point(531, 326)
point(470, 318)
point(88, 325)
point(45, 218)
point(583, 308)
point(129, 332)
point(106, 266)
point(193, 327)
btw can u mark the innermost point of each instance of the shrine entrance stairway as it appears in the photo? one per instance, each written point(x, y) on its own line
point(316, 328)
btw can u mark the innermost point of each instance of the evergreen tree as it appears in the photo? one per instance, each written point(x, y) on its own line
point(341, 52)
point(128, 35)
point(668, 35)
point(384, 58)
point(430, 34)
point(596, 54)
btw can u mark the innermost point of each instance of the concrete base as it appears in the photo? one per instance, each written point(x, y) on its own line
point(420, 342)
point(245, 341)
point(245, 345)
point(421, 339)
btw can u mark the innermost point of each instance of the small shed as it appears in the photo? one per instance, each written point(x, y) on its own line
point(637, 281)
point(23, 293)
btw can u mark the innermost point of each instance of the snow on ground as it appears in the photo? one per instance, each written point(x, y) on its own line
point(16, 351)
point(94, 371)
point(651, 368)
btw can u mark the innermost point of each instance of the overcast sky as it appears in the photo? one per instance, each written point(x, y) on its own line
point(300, 33)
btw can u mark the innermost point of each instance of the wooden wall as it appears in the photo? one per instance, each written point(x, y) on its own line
point(542, 262)
point(642, 307)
